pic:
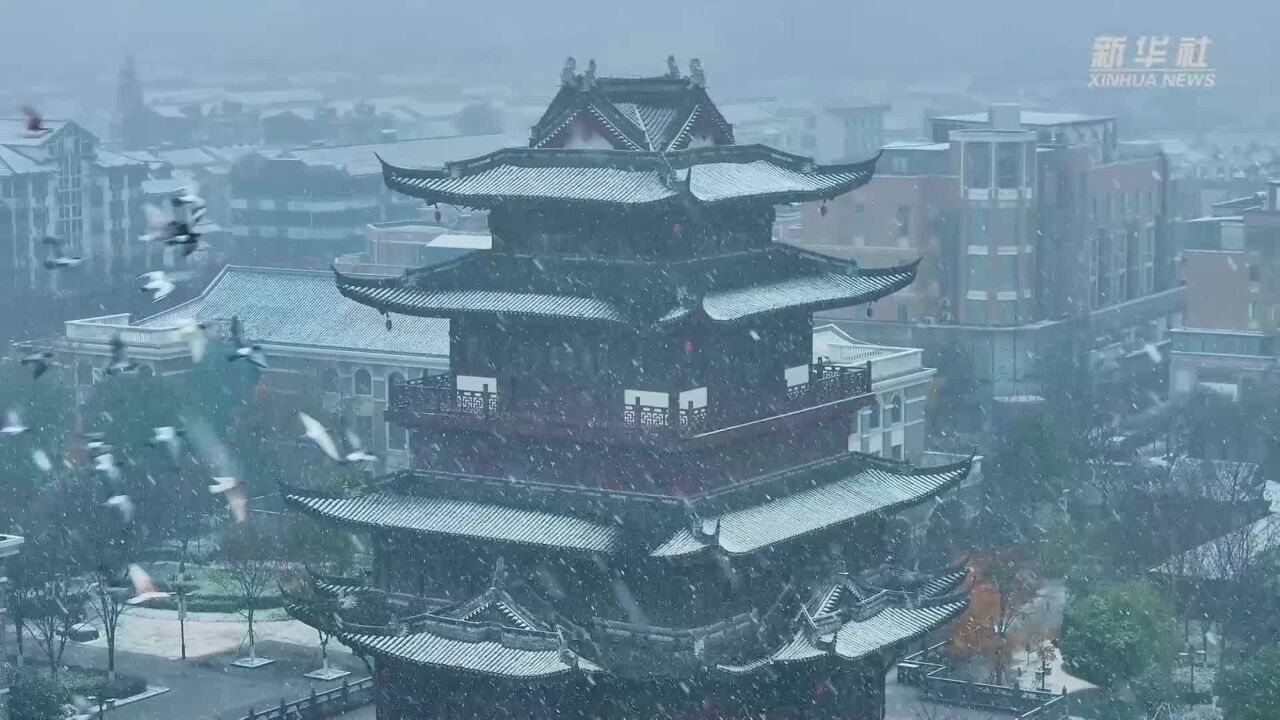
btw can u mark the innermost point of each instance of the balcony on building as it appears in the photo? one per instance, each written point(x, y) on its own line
point(640, 415)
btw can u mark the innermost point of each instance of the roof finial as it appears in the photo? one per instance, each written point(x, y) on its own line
point(589, 77)
point(695, 73)
point(568, 71)
point(499, 573)
point(673, 70)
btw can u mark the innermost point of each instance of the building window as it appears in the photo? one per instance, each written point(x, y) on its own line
point(364, 429)
point(895, 410)
point(978, 272)
point(364, 382)
point(904, 220)
point(1008, 312)
point(975, 312)
point(397, 437)
point(1008, 265)
point(329, 380)
point(1254, 272)
point(1008, 165)
point(1253, 310)
point(897, 452)
point(977, 165)
point(873, 415)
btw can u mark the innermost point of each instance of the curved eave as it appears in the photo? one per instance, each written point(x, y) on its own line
point(458, 518)
point(393, 297)
point(809, 293)
point(801, 514)
point(856, 640)
point(627, 178)
point(487, 657)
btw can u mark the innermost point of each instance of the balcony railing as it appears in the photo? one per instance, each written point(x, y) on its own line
point(439, 395)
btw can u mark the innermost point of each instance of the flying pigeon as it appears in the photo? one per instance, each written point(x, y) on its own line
point(59, 260)
point(160, 284)
point(316, 432)
point(233, 489)
point(39, 362)
point(12, 425)
point(356, 452)
point(193, 331)
point(106, 463)
point(35, 123)
point(41, 459)
point(168, 437)
point(124, 505)
point(120, 362)
point(95, 443)
point(165, 227)
point(144, 588)
point(244, 349)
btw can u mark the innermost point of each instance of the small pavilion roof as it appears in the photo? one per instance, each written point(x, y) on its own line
point(851, 620)
point(706, 175)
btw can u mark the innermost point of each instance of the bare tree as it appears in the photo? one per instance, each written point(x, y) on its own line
point(49, 614)
point(250, 571)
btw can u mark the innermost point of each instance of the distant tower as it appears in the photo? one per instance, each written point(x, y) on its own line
point(130, 119)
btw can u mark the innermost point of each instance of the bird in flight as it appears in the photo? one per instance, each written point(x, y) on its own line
point(233, 490)
point(313, 430)
point(35, 123)
point(197, 341)
point(39, 362)
point(57, 259)
point(160, 283)
point(120, 361)
point(12, 425)
point(244, 349)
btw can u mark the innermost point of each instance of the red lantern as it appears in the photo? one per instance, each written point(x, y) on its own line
point(438, 213)
point(688, 346)
point(707, 705)
point(869, 310)
point(677, 228)
point(822, 209)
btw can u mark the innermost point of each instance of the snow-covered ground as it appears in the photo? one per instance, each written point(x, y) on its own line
point(156, 632)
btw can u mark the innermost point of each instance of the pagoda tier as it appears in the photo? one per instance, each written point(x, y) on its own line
point(527, 658)
point(724, 289)
point(739, 519)
point(688, 179)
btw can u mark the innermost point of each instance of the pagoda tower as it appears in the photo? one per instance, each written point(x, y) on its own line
point(632, 496)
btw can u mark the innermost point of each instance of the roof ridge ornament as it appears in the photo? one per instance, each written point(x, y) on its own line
point(696, 76)
point(589, 77)
point(673, 70)
point(499, 574)
point(568, 74)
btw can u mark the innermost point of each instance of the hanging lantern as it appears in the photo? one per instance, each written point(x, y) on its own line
point(688, 346)
point(870, 310)
point(677, 229)
point(708, 706)
point(438, 216)
point(388, 323)
point(822, 209)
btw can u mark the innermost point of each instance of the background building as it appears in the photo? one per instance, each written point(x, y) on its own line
point(1039, 232)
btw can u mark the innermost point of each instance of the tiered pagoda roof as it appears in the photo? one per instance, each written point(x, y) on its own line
point(497, 634)
point(706, 175)
point(740, 519)
point(725, 289)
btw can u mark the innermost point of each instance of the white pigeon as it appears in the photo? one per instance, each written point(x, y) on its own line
point(59, 259)
point(197, 341)
point(95, 442)
point(41, 459)
point(106, 463)
point(168, 437)
point(190, 195)
point(160, 283)
point(144, 588)
point(233, 489)
point(245, 350)
point(316, 432)
point(12, 425)
point(124, 505)
point(356, 453)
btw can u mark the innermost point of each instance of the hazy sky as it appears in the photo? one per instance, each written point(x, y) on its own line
point(741, 42)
